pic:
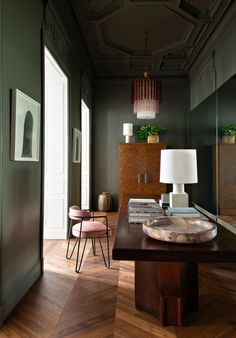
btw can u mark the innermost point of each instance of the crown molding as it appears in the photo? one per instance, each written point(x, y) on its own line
point(224, 25)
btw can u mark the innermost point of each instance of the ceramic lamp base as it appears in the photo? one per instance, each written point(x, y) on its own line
point(127, 139)
point(179, 200)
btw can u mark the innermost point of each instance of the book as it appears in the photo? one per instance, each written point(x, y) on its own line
point(143, 204)
point(141, 219)
point(145, 209)
point(142, 201)
point(146, 214)
point(175, 210)
point(142, 209)
point(198, 215)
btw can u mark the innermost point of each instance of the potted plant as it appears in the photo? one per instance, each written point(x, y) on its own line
point(150, 133)
point(228, 133)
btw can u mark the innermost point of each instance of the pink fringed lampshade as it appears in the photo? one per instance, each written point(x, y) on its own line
point(146, 97)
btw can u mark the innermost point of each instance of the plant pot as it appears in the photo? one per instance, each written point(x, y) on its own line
point(153, 139)
point(228, 139)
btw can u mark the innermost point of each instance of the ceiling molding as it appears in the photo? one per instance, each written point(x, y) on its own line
point(178, 30)
point(212, 37)
point(106, 11)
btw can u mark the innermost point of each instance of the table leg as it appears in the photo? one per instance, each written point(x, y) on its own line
point(166, 289)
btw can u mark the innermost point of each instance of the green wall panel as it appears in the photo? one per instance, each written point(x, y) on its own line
point(112, 108)
point(21, 186)
point(1, 82)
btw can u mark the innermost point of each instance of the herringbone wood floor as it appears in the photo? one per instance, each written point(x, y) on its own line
point(99, 303)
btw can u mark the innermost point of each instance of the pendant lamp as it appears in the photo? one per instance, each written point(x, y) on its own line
point(146, 97)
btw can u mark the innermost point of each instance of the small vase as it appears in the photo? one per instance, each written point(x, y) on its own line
point(153, 139)
point(104, 201)
point(228, 139)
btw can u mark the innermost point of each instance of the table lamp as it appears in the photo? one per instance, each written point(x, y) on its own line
point(178, 166)
point(127, 131)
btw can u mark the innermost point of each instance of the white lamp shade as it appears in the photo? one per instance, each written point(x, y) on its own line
point(178, 166)
point(127, 129)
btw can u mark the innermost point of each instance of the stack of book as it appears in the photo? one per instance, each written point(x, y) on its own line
point(140, 210)
point(164, 201)
point(184, 212)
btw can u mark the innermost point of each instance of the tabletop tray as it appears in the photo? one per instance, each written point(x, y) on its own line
point(180, 229)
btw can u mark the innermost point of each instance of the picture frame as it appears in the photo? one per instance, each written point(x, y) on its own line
point(76, 150)
point(25, 127)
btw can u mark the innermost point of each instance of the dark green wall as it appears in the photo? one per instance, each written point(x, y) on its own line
point(1, 141)
point(202, 127)
point(20, 188)
point(62, 37)
point(112, 107)
point(216, 111)
point(21, 183)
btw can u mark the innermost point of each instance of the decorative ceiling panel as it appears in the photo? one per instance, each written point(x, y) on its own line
point(172, 64)
point(96, 6)
point(127, 37)
point(102, 8)
point(133, 23)
point(201, 5)
point(150, 2)
point(107, 53)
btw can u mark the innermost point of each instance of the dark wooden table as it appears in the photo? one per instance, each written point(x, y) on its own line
point(166, 274)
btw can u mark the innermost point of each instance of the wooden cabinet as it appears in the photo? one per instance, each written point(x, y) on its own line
point(227, 179)
point(139, 169)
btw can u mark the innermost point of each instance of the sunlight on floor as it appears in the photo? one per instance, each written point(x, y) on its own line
point(55, 257)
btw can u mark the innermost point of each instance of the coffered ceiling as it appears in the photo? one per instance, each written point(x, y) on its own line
point(164, 37)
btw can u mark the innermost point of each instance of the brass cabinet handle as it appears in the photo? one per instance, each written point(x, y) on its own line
point(145, 178)
point(139, 178)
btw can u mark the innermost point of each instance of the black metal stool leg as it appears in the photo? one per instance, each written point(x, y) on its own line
point(77, 269)
point(103, 253)
point(108, 252)
point(94, 246)
point(68, 243)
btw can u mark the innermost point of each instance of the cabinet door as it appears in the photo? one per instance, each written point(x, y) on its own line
point(150, 168)
point(227, 179)
point(129, 169)
point(139, 169)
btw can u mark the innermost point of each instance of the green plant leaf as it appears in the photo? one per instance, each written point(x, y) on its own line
point(145, 130)
point(228, 130)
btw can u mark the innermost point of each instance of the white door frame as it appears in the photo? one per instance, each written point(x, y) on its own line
point(55, 150)
point(85, 158)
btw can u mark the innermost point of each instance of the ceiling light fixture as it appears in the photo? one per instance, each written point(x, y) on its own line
point(146, 93)
point(146, 97)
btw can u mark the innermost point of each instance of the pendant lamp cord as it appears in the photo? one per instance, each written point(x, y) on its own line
point(146, 51)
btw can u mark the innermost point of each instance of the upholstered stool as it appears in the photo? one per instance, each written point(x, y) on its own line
point(87, 227)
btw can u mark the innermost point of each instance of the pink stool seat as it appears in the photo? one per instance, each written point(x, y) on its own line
point(90, 229)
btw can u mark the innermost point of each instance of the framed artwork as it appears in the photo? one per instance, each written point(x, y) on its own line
point(76, 153)
point(25, 127)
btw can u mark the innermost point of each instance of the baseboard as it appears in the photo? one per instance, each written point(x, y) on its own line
point(54, 234)
point(11, 300)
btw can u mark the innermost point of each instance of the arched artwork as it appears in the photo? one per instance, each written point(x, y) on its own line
point(25, 127)
point(27, 135)
point(77, 149)
point(76, 153)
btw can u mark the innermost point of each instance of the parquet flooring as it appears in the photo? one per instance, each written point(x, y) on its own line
point(216, 316)
point(99, 302)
